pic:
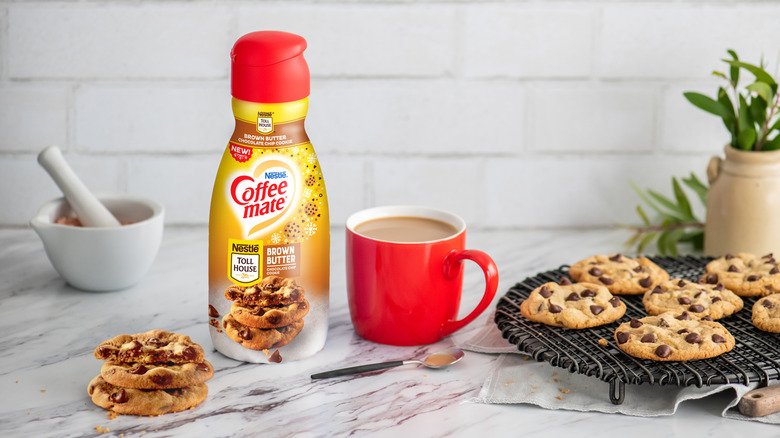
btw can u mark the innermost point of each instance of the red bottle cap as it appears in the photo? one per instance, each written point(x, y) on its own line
point(268, 67)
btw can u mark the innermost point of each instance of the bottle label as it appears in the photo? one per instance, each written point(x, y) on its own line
point(269, 240)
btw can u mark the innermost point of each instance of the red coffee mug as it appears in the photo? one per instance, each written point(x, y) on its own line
point(408, 293)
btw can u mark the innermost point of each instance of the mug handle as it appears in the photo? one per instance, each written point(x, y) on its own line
point(452, 265)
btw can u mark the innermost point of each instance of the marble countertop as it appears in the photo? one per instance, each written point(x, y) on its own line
point(49, 331)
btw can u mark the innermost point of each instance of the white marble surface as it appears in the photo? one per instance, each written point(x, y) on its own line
point(49, 330)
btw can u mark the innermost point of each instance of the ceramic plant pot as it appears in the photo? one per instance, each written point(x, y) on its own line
point(743, 204)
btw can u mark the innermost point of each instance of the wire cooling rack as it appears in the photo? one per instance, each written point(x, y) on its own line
point(754, 358)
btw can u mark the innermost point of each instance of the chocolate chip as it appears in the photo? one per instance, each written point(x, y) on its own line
point(683, 317)
point(564, 281)
point(718, 339)
point(716, 299)
point(156, 342)
point(769, 288)
point(648, 338)
point(635, 323)
point(276, 357)
point(119, 396)
point(105, 351)
point(639, 269)
point(258, 311)
point(663, 351)
point(719, 287)
point(622, 337)
point(706, 318)
point(698, 294)
point(574, 296)
point(711, 279)
point(768, 256)
point(138, 369)
point(554, 308)
point(681, 283)
point(189, 353)
point(733, 268)
point(606, 280)
point(646, 282)
point(202, 367)
point(768, 304)
point(135, 345)
point(594, 271)
point(729, 256)
point(588, 293)
point(615, 301)
point(693, 338)
point(684, 300)
point(213, 311)
point(617, 258)
point(162, 379)
point(696, 308)
point(245, 334)
point(657, 290)
point(545, 292)
point(111, 371)
point(662, 323)
point(774, 271)
point(753, 277)
point(596, 309)
point(682, 331)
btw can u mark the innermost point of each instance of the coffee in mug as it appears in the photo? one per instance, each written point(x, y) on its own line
point(405, 274)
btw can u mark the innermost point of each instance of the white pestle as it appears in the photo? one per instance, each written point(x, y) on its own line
point(88, 208)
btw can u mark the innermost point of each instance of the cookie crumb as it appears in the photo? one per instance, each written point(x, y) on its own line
point(559, 397)
point(43, 390)
point(603, 342)
point(112, 415)
point(101, 429)
point(564, 391)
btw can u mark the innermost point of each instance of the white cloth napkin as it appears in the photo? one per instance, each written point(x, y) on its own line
point(518, 378)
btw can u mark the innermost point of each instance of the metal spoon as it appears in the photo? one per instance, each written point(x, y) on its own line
point(440, 359)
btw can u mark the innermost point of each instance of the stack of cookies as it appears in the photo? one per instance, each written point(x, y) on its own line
point(150, 373)
point(267, 315)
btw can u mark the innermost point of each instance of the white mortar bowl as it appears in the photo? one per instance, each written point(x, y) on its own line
point(102, 259)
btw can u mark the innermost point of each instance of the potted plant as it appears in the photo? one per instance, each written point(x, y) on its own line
point(743, 202)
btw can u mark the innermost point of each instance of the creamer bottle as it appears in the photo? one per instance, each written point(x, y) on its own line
point(269, 239)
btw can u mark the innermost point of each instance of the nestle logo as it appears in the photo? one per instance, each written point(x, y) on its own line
point(275, 175)
point(244, 248)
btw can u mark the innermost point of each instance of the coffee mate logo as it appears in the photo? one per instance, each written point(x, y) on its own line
point(264, 197)
point(265, 122)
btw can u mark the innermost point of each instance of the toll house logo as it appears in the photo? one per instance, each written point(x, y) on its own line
point(264, 197)
point(265, 122)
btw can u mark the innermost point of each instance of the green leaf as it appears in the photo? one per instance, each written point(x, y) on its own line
point(734, 71)
point(682, 199)
point(646, 199)
point(706, 103)
point(775, 126)
point(646, 241)
point(758, 72)
point(674, 210)
point(746, 139)
point(730, 119)
point(661, 243)
point(697, 186)
point(642, 214)
point(763, 90)
point(758, 110)
point(633, 239)
point(772, 145)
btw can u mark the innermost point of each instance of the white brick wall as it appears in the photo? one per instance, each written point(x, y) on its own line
point(512, 114)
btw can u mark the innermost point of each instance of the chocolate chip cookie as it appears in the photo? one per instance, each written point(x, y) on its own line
point(745, 274)
point(132, 401)
point(620, 274)
point(700, 300)
point(154, 346)
point(271, 291)
point(269, 317)
point(575, 306)
point(257, 338)
point(672, 337)
point(156, 376)
point(766, 313)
